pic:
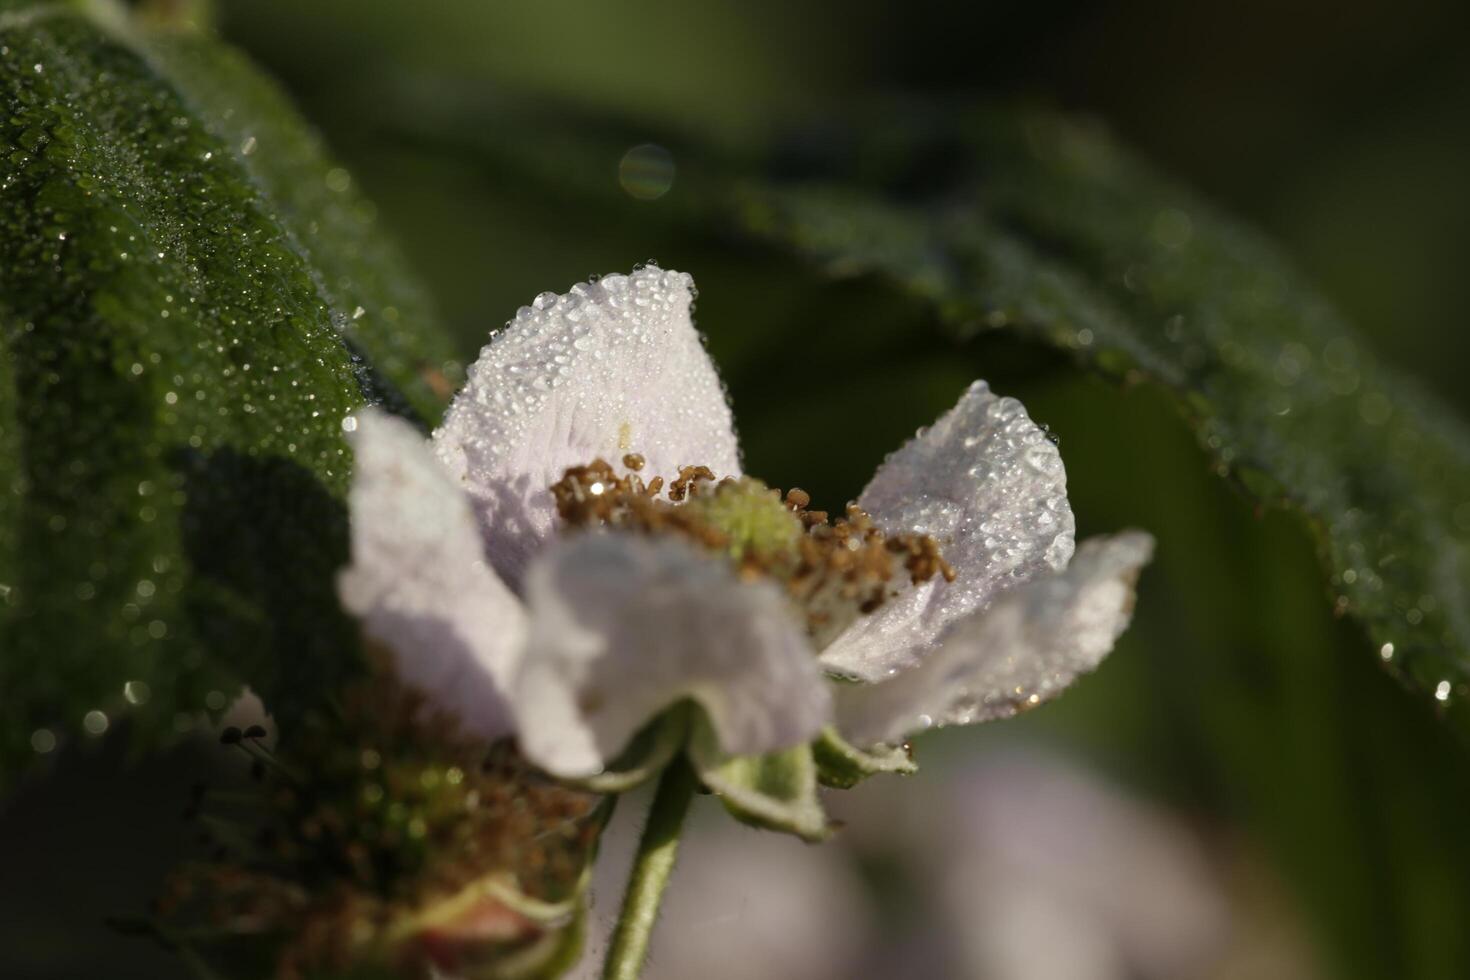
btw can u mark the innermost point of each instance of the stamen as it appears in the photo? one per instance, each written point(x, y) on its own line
point(689, 478)
point(833, 571)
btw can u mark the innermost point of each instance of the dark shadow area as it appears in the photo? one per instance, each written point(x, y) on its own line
point(266, 541)
point(92, 841)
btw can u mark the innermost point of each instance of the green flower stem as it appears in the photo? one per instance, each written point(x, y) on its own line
point(658, 849)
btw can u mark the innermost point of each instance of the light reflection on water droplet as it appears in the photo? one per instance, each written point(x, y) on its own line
point(43, 740)
point(1442, 691)
point(646, 172)
point(95, 722)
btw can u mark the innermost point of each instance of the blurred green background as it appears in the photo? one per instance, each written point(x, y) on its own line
point(1238, 699)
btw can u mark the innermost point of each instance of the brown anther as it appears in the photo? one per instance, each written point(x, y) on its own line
point(688, 479)
point(922, 559)
point(587, 494)
point(837, 570)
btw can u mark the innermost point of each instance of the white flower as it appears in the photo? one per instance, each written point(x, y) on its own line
point(574, 642)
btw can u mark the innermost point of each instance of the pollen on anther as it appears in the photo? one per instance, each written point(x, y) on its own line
point(832, 571)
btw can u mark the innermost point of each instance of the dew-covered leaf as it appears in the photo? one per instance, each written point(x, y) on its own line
point(1046, 226)
point(193, 300)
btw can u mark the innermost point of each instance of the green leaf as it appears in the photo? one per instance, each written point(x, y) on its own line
point(777, 791)
point(1044, 225)
point(11, 482)
point(193, 299)
point(842, 765)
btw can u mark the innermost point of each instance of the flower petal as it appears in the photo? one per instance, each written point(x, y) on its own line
point(624, 626)
point(612, 367)
point(989, 486)
point(419, 581)
point(1022, 650)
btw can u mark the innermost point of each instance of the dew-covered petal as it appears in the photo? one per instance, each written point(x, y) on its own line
point(612, 367)
point(1023, 649)
point(419, 580)
point(623, 626)
point(989, 486)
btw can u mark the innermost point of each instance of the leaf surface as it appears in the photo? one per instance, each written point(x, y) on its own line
point(193, 301)
point(1044, 225)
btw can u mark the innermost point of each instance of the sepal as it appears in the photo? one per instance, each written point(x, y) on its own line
point(842, 765)
point(651, 750)
point(776, 791)
point(493, 931)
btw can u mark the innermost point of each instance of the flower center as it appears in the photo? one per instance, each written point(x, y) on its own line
point(759, 528)
point(832, 570)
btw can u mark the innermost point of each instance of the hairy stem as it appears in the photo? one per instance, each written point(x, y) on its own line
point(658, 849)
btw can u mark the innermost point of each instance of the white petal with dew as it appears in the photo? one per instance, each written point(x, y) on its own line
point(1025, 648)
point(419, 580)
point(989, 486)
point(611, 367)
point(623, 626)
